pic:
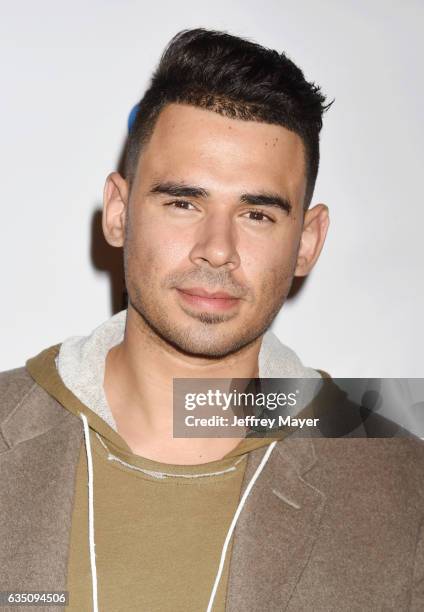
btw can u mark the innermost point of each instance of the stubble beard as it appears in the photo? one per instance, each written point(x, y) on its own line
point(210, 335)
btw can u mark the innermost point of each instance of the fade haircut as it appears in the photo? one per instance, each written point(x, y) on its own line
point(236, 78)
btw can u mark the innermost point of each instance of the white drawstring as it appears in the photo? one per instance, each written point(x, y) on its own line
point(91, 517)
point(90, 512)
point(234, 521)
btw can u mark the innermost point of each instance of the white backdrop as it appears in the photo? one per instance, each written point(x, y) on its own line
point(70, 74)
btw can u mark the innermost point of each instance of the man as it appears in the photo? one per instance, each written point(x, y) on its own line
point(213, 213)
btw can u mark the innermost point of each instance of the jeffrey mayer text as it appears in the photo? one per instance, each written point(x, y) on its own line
point(249, 421)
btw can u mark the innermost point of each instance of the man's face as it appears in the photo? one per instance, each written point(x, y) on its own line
point(210, 247)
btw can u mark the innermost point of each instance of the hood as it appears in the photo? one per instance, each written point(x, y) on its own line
point(73, 372)
point(81, 363)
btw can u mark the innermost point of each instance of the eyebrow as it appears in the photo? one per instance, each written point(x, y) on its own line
point(181, 190)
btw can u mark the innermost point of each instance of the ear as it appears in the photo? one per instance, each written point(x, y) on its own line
point(315, 226)
point(115, 203)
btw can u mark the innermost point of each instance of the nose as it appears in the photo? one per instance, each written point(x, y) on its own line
point(216, 243)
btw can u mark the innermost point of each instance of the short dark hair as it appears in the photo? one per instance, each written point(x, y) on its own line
point(236, 78)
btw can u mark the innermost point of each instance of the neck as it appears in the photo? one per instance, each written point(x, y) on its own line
point(138, 383)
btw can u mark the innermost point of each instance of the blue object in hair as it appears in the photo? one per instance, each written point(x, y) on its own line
point(132, 117)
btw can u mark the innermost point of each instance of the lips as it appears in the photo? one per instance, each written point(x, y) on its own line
point(202, 299)
point(208, 294)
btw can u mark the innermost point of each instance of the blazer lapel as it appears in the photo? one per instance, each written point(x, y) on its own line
point(276, 529)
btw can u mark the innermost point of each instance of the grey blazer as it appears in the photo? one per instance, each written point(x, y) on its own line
point(332, 524)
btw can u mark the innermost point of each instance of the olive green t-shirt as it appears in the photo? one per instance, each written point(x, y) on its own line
point(159, 530)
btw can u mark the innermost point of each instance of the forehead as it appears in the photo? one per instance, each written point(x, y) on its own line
point(223, 154)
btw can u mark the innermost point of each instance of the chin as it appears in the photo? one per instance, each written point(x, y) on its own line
point(212, 344)
point(208, 335)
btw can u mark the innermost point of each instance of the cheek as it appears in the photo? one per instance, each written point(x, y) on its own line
point(154, 251)
point(267, 264)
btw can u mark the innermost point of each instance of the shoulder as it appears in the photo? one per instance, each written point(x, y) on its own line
point(341, 416)
point(14, 387)
point(395, 465)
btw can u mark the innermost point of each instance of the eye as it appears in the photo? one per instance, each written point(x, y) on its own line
point(257, 215)
point(181, 204)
